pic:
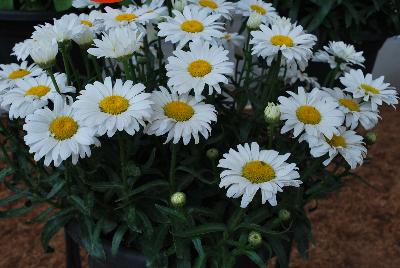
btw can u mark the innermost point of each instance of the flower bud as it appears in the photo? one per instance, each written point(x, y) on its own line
point(44, 52)
point(254, 21)
point(370, 138)
point(178, 199)
point(272, 113)
point(212, 153)
point(254, 238)
point(179, 5)
point(284, 215)
point(133, 170)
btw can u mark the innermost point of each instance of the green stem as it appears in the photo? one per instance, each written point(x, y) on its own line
point(64, 52)
point(53, 79)
point(127, 68)
point(96, 66)
point(172, 167)
point(270, 132)
point(122, 159)
point(85, 61)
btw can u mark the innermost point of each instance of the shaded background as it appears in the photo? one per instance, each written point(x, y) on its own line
point(357, 227)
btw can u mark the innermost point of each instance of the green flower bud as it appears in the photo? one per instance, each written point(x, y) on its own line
point(254, 21)
point(178, 199)
point(212, 153)
point(254, 238)
point(284, 215)
point(272, 113)
point(370, 138)
point(179, 4)
point(133, 170)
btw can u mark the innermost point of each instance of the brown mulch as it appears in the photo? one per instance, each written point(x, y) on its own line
point(358, 227)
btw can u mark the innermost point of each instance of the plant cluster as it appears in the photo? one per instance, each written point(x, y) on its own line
point(179, 137)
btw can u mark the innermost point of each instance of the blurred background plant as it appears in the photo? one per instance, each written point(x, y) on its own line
point(35, 5)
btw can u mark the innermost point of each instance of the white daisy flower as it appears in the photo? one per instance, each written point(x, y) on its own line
point(221, 7)
point(355, 110)
point(85, 3)
point(339, 53)
point(91, 26)
point(22, 49)
point(11, 73)
point(128, 16)
point(311, 112)
point(231, 40)
point(369, 89)
point(250, 169)
point(57, 134)
point(157, 7)
point(291, 41)
point(118, 43)
point(44, 52)
point(266, 10)
point(346, 143)
point(200, 66)
point(110, 108)
point(293, 75)
point(192, 24)
point(181, 116)
point(30, 94)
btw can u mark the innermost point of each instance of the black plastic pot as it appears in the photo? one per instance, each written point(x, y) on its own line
point(16, 26)
point(125, 258)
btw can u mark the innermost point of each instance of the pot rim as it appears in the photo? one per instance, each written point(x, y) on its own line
point(19, 15)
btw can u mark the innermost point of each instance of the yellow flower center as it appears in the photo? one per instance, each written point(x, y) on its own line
point(38, 91)
point(337, 141)
point(208, 3)
point(126, 17)
point(258, 171)
point(192, 26)
point(63, 127)
point(258, 9)
point(308, 115)
point(350, 104)
point(282, 40)
point(199, 68)
point(114, 105)
point(18, 74)
point(178, 110)
point(369, 89)
point(87, 23)
point(227, 36)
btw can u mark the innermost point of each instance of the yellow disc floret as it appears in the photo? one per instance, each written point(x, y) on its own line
point(178, 110)
point(63, 127)
point(114, 105)
point(18, 74)
point(199, 68)
point(282, 40)
point(308, 115)
point(369, 89)
point(87, 23)
point(258, 171)
point(126, 17)
point(337, 141)
point(350, 104)
point(192, 26)
point(208, 3)
point(38, 91)
point(258, 9)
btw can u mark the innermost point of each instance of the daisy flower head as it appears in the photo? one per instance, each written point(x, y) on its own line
point(22, 49)
point(346, 143)
point(231, 40)
point(85, 3)
point(109, 108)
point(57, 134)
point(356, 111)
point(200, 66)
point(248, 7)
point(339, 53)
point(249, 169)
point(291, 41)
point(181, 116)
point(292, 74)
point(30, 94)
point(192, 24)
point(11, 73)
point(117, 43)
point(157, 7)
point(127, 16)
point(312, 112)
point(44, 52)
point(221, 7)
point(375, 91)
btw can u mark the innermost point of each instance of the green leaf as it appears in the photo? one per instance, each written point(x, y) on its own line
point(12, 198)
point(171, 212)
point(56, 188)
point(62, 5)
point(105, 186)
point(79, 204)
point(15, 212)
point(201, 260)
point(117, 238)
point(145, 187)
point(6, 4)
point(318, 18)
point(202, 230)
point(5, 172)
point(41, 216)
point(90, 238)
point(254, 257)
point(56, 222)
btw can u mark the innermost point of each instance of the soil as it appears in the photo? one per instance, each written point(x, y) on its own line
point(357, 227)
